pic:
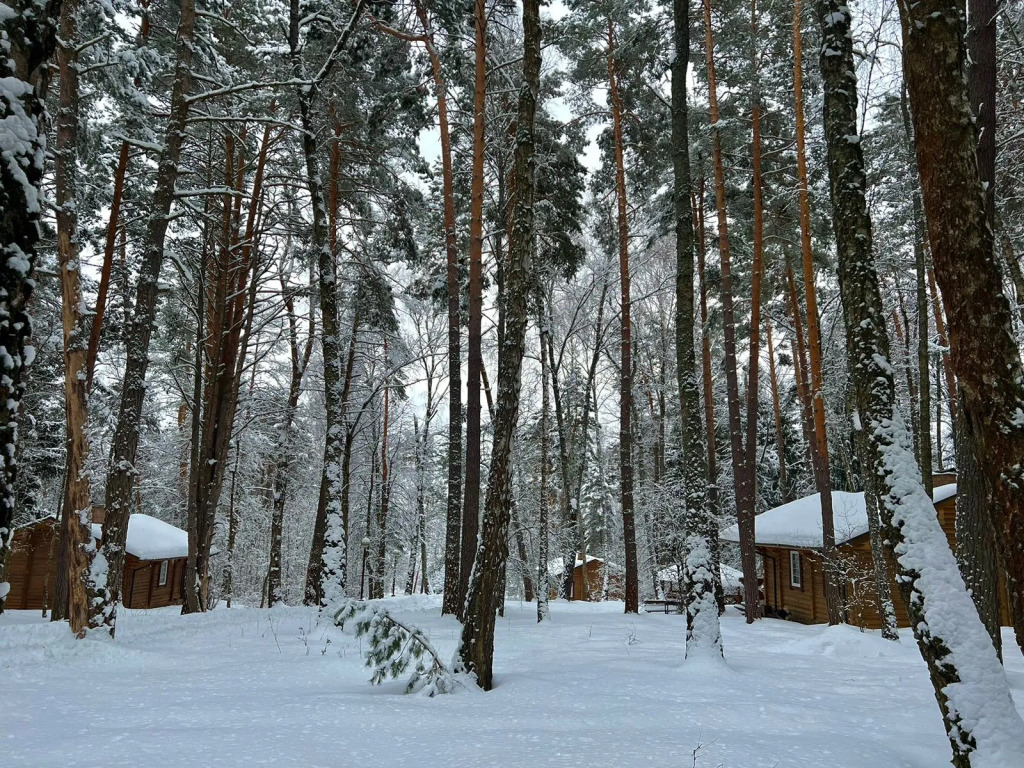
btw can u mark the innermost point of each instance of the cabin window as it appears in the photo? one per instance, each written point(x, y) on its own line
point(163, 574)
point(795, 580)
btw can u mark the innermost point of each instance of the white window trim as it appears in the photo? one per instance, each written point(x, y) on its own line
point(162, 580)
point(795, 573)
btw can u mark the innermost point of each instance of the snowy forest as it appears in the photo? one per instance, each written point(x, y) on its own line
point(408, 314)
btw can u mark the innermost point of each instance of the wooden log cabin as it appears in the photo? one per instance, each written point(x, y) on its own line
point(788, 541)
point(154, 568)
point(596, 588)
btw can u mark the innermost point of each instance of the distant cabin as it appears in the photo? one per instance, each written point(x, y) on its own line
point(154, 567)
point(789, 541)
point(732, 583)
point(596, 587)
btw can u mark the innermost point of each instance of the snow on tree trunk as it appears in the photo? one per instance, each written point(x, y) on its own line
point(27, 31)
point(76, 523)
point(704, 635)
point(983, 351)
point(475, 654)
point(983, 726)
point(122, 473)
point(334, 558)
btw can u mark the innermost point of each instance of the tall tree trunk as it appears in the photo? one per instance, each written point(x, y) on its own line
point(695, 563)
point(920, 400)
point(476, 647)
point(709, 404)
point(976, 539)
point(742, 489)
point(575, 540)
point(377, 579)
point(940, 331)
point(125, 442)
point(334, 559)
point(230, 317)
point(983, 726)
point(798, 346)
point(626, 366)
point(976, 551)
point(315, 564)
point(746, 510)
point(983, 351)
point(819, 452)
point(108, 261)
point(542, 523)
point(299, 358)
point(76, 522)
point(780, 440)
point(452, 548)
point(145, 28)
point(474, 352)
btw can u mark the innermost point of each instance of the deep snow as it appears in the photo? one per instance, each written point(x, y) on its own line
point(592, 687)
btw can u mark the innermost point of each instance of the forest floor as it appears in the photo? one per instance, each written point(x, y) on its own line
point(592, 687)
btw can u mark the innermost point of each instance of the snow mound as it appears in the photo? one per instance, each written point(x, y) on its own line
point(845, 642)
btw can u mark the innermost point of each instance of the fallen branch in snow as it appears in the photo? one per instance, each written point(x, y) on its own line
point(394, 647)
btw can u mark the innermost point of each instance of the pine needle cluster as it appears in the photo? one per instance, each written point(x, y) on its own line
point(396, 647)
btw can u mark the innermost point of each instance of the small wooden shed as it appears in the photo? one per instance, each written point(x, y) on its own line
point(154, 567)
point(789, 540)
point(596, 587)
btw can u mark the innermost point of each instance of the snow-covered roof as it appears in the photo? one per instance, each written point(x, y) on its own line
point(555, 565)
point(152, 539)
point(798, 523)
point(944, 492)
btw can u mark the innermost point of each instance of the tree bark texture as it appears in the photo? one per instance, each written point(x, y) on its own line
point(334, 557)
point(745, 514)
point(476, 648)
point(121, 476)
point(741, 485)
point(76, 522)
point(819, 451)
point(474, 337)
point(452, 548)
point(543, 611)
point(695, 561)
point(976, 551)
point(983, 726)
point(983, 351)
point(632, 595)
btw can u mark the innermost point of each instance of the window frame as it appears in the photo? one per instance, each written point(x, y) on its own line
point(161, 579)
point(796, 574)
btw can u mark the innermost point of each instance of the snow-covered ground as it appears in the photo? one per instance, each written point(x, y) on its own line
point(593, 688)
